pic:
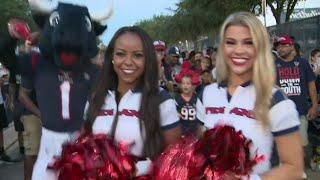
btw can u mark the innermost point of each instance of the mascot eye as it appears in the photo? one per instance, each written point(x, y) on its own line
point(54, 19)
point(88, 23)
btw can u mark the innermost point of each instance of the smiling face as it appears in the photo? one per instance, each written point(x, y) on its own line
point(239, 51)
point(129, 60)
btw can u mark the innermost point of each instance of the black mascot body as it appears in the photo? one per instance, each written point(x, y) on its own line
point(62, 73)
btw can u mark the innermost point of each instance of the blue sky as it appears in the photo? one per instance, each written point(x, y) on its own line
point(129, 12)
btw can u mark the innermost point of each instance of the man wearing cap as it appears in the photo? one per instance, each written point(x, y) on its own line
point(297, 80)
point(171, 66)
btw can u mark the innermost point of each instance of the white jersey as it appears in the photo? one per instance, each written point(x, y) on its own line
point(220, 108)
point(128, 127)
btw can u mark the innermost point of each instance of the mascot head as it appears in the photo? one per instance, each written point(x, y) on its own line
point(69, 29)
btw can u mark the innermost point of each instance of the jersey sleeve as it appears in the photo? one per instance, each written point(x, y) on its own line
point(284, 118)
point(169, 117)
point(26, 70)
point(27, 63)
point(27, 82)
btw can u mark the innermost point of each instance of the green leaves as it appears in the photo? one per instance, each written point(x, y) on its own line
point(195, 18)
point(14, 9)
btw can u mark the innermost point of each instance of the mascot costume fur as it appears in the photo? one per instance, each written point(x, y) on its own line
point(62, 73)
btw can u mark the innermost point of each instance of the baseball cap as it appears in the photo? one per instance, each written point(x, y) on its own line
point(174, 51)
point(159, 45)
point(286, 40)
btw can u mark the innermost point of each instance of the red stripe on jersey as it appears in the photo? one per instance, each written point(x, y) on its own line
point(215, 110)
point(243, 112)
point(106, 112)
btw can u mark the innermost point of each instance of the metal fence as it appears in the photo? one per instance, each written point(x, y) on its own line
point(305, 31)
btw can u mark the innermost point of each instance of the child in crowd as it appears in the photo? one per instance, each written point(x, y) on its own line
point(187, 101)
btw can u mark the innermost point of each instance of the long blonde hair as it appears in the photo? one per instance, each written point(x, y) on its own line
point(263, 69)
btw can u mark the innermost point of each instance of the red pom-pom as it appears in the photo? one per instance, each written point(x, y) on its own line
point(222, 150)
point(18, 29)
point(227, 150)
point(179, 161)
point(95, 157)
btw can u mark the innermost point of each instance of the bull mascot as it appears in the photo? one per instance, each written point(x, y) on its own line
point(62, 74)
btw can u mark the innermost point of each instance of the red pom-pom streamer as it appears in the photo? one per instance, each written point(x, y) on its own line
point(221, 151)
point(180, 161)
point(18, 29)
point(95, 157)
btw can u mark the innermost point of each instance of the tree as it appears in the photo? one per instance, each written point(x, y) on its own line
point(14, 9)
point(156, 27)
point(194, 18)
point(278, 7)
point(206, 16)
point(280, 4)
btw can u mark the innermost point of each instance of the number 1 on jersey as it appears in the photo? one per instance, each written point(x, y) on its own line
point(65, 100)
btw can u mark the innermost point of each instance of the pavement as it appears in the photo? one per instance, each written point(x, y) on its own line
point(14, 171)
point(11, 171)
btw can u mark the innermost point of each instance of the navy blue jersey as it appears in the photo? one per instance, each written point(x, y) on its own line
point(188, 113)
point(293, 78)
point(16, 79)
point(61, 95)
